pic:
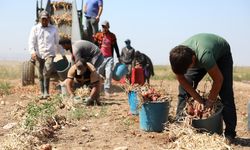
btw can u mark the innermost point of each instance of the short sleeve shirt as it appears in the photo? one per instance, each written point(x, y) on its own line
point(85, 49)
point(93, 7)
point(208, 48)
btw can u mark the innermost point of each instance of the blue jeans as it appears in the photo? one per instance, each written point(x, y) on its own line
point(194, 76)
point(106, 70)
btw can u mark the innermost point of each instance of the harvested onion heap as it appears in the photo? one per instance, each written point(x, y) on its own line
point(201, 114)
point(82, 92)
point(147, 93)
point(62, 16)
point(61, 5)
point(60, 20)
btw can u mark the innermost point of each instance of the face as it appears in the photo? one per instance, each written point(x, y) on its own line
point(105, 29)
point(44, 22)
point(66, 46)
point(80, 68)
point(193, 62)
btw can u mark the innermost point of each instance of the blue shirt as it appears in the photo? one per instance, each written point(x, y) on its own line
point(93, 7)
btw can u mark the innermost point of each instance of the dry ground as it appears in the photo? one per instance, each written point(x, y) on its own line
point(110, 126)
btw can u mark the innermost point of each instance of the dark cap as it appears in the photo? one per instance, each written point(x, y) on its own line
point(105, 23)
point(127, 41)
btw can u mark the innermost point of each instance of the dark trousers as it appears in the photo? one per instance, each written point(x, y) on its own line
point(92, 27)
point(194, 76)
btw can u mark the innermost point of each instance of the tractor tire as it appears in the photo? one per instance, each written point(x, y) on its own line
point(28, 73)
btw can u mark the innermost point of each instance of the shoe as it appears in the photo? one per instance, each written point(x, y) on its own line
point(89, 102)
point(98, 103)
point(46, 96)
point(229, 139)
point(40, 97)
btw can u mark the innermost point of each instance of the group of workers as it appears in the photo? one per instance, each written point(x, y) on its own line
point(96, 58)
point(190, 61)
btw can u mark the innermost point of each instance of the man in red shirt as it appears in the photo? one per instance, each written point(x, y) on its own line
point(107, 43)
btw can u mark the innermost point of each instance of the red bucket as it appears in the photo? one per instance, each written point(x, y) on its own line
point(137, 76)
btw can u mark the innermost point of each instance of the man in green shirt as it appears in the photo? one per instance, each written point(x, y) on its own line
point(190, 61)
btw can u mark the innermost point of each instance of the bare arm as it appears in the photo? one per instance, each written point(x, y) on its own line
point(217, 77)
point(85, 9)
point(99, 13)
point(69, 84)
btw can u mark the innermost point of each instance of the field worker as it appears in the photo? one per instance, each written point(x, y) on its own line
point(43, 44)
point(106, 41)
point(93, 11)
point(145, 62)
point(84, 73)
point(127, 57)
point(84, 49)
point(200, 54)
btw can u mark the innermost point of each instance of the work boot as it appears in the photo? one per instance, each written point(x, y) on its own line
point(98, 103)
point(41, 89)
point(229, 139)
point(46, 88)
point(89, 101)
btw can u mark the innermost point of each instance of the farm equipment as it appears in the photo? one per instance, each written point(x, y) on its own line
point(69, 23)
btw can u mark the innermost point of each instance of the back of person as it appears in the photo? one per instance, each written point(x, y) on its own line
point(85, 49)
point(208, 48)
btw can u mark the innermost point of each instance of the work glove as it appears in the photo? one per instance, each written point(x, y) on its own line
point(89, 101)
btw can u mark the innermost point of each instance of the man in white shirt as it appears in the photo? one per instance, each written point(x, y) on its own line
point(43, 44)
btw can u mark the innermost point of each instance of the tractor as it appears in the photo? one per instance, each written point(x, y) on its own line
point(68, 20)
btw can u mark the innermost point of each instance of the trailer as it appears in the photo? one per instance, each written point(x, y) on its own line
point(69, 21)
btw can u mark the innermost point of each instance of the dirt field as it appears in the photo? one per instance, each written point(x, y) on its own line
point(103, 127)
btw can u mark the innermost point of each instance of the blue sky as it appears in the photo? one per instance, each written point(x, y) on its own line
point(154, 26)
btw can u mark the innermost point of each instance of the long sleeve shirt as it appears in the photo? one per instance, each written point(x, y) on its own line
point(44, 41)
point(107, 43)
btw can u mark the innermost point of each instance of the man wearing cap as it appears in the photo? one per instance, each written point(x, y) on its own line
point(106, 41)
point(93, 10)
point(43, 44)
point(127, 56)
point(84, 73)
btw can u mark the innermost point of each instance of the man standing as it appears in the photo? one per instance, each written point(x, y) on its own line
point(106, 40)
point(43, 43)
point(198, 55)
point(93, 10)
point(84, 73)
point(127, 57)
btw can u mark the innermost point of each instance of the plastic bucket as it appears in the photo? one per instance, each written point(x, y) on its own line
point(213, 124)
point(133, 103)
point(248, 116)
point(119, 71)
point(153, 115)
point(62, 66)
point(137, 76)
